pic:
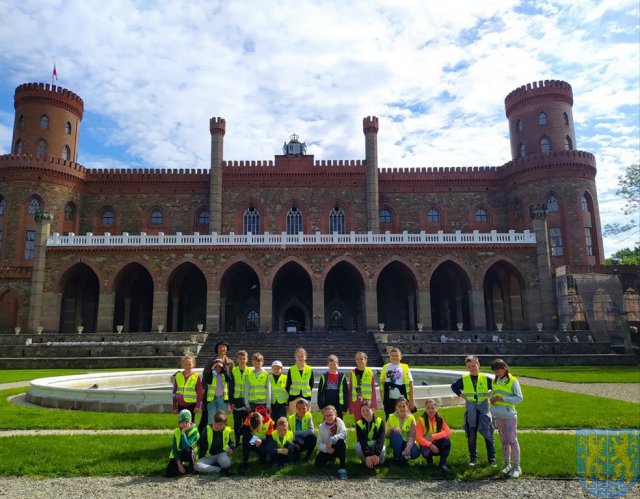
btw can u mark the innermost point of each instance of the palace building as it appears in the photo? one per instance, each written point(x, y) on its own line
point(294, 241)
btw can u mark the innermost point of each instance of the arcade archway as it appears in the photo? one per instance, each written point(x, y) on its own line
point(344, 298)
point(396, 289)
point(240, 299)
point(450, 297)
point(292, 298)
point(80, 295)
point(133, 298)
point(503, 300)
point(187, 298)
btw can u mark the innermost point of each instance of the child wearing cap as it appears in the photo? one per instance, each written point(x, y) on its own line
point(279, 395)
point(332, 389)
point(184, 446)
point(257, 389)
point(216, 447)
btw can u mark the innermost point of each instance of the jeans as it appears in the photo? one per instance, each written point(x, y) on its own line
point(398, 445)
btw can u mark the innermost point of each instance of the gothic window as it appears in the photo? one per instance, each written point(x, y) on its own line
point(565, 118)
point(517, 207)
point(588, 240)
point(519, 126)
point(108, 217)
point(42, 148)
point(67, 128)
point(294, 220)
point(156, 218)
point(18, 148)
point(552, 204)
point(545, 145)
point(44, 121)
point(203, 217)
point(555, 240)
point(251, 221)
point(21, 122)
point(66, 152)
point(30, 244)
point(253, 320)
point(584, 204)
point(336, 319)
point(481, 215)
point(385, 216)
point(433, 216)
point(35, 206)
point(542, 119)
point(522, 150)
point(568, 145)
point(336, 220)
point(69, 211)
point(3, 205)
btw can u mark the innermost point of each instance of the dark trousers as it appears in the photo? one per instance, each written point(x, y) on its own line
point(278, 411)
point(472, 436)
point(281, 459)
point(265, 450)
point(305, 444)
point(340, 453)
point(444, 448)
point(186, 458)
point(389, 406)
point(239, 415)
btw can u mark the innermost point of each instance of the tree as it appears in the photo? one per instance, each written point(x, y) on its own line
point(625, 257)
point(629, 190)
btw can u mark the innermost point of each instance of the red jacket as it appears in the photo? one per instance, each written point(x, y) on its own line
point(422, 434)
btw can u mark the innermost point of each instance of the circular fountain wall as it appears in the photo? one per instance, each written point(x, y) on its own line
point(150, 391)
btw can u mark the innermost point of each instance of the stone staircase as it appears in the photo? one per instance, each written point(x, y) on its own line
point(280, 345)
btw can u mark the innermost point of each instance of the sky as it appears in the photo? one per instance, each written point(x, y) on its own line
point(152, 74)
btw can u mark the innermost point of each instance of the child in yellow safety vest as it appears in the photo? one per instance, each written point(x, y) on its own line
point(216, 447)
point(279, 395)
point(474, 388)
point(237, 402)
point(257, 437)
point(284, 448)
point(257, 386)
point(505, 395)
point(187, 388)
point(332, 388)
point(299, 380)
point(370, 434)
point(432, 435)
point(301, 424)
point(362, 386)
point(401, 431)
point(184, 446)
point(216, 389)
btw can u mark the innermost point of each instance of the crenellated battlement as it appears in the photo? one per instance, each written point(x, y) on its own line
point(147, 172)
point(339, 162)
point(555, 158)
point(248, 164)
point(370, 124)
point(52, 94)
point(9, 160)
point(439, 169)
point(538, 90)
point(217, 125)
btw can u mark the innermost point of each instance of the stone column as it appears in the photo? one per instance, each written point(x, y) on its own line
point(370, 129)
point(318, 311)
point(43, 229)
point(266, 307)
point(105, 313)
point(478, 316)
point(159, 312)
point(213, 311)
point(424, 309)
point(371, 309)
point(217, 127)
point(547, 309)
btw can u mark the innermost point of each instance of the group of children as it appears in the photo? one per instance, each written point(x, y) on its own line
point(272, 418)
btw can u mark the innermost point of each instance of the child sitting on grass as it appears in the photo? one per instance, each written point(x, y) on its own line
point(257, 437)
point(283, 438)
point(216, 447)
point(332, 440)
point(432, 435)
point(184, 446)
point(301, 424)
point(370, 436)
point(401, 431)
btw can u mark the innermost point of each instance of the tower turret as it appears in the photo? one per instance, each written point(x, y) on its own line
point(540, 118)
point(370, 129)
point(217, 127)
point(47, 121)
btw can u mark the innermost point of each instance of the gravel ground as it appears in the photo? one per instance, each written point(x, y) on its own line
point(274, 488)
point(629, 392)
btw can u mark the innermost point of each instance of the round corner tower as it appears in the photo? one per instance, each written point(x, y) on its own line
point(47, 121)
point(540, 118)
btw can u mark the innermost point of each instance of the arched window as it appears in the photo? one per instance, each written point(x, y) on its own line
point(552, 204)
point(545, 145)
point(336, 220)
point(30, 244)
point(522, 150)
point(385, 216)
point(555, 240)
point(108, 217)
point(35, 206)
point(203, 217)
point(44, 121)
point(67, 128)
point(336, 319)
point(481, 215)
point(519, 126)
point(542, 119)
point(433, 216)
point(588, 240)
point(565, 118)
point(156, 218)
point(584, 203)
point(66, 152)
point(251, 221)
point(294, 220)
point(18, 148)
point(42, 148)
point(3, 205)
point(69, 211)
point(21, 122)
point(568, 145)
point(253, 320)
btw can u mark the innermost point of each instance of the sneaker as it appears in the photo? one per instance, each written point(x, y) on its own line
point(506, 469)
point(444, 468)
point(472, 463)
point(515, 472)
point(493, 463)
point(342, 474)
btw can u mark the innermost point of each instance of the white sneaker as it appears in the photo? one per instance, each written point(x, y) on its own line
point(506, 469)
point(515, 472)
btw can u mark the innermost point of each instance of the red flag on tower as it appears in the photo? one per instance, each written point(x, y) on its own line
point(55, 73)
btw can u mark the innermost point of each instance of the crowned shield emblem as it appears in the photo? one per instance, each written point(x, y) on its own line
point(608, 461)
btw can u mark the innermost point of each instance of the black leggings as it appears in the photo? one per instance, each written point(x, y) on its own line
point(340, 452)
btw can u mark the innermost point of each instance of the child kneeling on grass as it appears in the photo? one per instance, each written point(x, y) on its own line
point(332, 440)
point(184, 446)
point(370, 436)
point(301, 424)
point(401, 431)
point(216, 447)
point(283, 438)
point(257, 429)
point(432, 435)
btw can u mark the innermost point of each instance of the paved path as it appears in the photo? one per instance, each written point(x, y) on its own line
point(628, 392)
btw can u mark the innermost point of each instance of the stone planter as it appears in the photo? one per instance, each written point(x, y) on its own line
point(160, 328)
point(79, 329)
point(499, 326)
point(17, 329)
point(119, 328)
point(420, 326)
point(539, 326)
point(380, 326)
point(200, 327)
point(39, 330)
point(460, 326)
